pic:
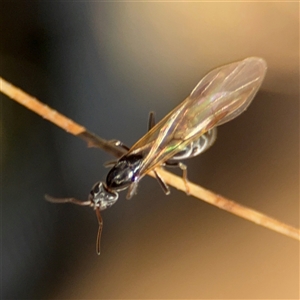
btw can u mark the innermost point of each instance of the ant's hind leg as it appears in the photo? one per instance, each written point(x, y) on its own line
point(183, 167)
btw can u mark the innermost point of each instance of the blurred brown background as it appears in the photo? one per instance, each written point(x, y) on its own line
point(106, 65)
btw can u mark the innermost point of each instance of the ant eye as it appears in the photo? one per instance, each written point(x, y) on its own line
point(95, 189)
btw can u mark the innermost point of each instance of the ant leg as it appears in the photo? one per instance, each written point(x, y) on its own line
point(151, 120)
point(183, 167)
point(161, 182)
point(100, 222)
point(119, 144)
point(131, 190)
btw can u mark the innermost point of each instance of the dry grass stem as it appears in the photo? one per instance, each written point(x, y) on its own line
point(171, 179)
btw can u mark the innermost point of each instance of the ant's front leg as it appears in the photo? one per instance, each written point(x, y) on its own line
point(119, 144)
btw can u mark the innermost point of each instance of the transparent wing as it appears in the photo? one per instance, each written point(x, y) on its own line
point(232, 86)
point(220, 96)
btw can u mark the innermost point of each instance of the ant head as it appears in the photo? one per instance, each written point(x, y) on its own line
point(102, 197)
